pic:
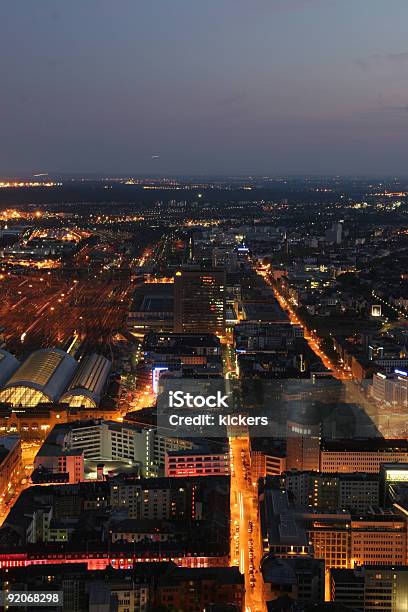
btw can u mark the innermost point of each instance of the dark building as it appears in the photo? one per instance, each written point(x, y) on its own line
point(298, 578)
point(183, 354)
point(179, 348)
point(199, 589)
point(199, 300)
point(119, 521)
point(146, 586)
point(356, 491)
point(152, 308)
point(372, 587)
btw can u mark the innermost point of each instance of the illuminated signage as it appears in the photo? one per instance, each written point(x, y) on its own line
point(156, 377)
point(397, 475)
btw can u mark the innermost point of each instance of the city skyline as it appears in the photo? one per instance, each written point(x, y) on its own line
point(205, 382)
point(204, 306)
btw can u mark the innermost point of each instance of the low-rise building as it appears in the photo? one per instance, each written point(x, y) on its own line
point(268, 457)
point(120, 443)
point(196, 589)
point(298, 578)
point(356, 491)
point(372, 587)
point(196, 462)
point(144, 587)
point(365, 455)
point(152, 308)
point(342, 539)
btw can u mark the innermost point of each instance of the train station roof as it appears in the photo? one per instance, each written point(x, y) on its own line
point(42, 377)
point(87, 386)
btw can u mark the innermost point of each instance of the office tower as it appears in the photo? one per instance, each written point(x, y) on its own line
point(199, 300)
point(303, 446)
point(335, 233)
point(338, 230)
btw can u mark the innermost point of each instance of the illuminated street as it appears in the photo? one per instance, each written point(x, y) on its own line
point(28, 453)
point(311, 337)
point(245, 537)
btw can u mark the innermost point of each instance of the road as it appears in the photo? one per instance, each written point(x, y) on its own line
point(246, 545)
point(246, 549)
point(389, 425)
point(21, 481)
point(313, 340)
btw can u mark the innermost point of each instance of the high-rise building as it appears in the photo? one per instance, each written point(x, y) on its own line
point(303, 446)
point(199, 300)
point(335, 233)
point(338, 229)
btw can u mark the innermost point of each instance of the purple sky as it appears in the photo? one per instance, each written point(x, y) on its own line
point(210, 86)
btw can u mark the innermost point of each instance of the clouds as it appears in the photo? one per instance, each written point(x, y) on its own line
point(396, 109)
point(279, 5)
point(400, 58)
point(217, 85)
point(383, 60)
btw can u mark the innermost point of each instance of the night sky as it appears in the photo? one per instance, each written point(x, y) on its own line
point(210, 86)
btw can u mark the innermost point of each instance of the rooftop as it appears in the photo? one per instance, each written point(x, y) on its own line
point(157, 342)
point(47, 371)
point(264, 312)
point(89, 380)
point(364, 445)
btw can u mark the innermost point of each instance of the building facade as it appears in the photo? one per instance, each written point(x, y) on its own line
point(199, 300)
